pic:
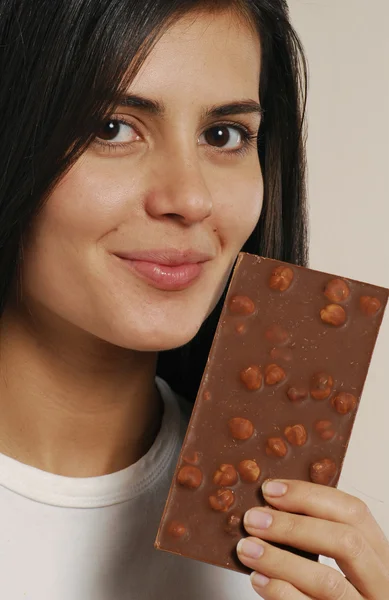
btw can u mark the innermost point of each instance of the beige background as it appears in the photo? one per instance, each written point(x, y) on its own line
point(347, 45)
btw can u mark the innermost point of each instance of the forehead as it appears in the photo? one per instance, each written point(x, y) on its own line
point(204, 55)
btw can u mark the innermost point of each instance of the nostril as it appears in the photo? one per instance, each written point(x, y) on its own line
point(173, 216)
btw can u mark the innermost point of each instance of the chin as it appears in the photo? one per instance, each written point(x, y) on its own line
point(154, 323)
point(162, 336)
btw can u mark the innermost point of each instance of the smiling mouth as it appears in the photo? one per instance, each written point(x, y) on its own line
point(166, 270)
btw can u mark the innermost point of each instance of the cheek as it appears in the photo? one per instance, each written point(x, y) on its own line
point(89, 201)
point(64, 245)
point(237, 211)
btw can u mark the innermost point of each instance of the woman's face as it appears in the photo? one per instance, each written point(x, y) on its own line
point(171, 182)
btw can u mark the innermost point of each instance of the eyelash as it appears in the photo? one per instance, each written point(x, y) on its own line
point(249, 138)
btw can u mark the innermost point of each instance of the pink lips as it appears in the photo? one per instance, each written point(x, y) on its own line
point(169, 270)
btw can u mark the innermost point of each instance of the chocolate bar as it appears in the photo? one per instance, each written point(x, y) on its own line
point(278, 399)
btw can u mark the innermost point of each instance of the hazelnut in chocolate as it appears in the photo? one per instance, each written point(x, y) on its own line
point(278, 399)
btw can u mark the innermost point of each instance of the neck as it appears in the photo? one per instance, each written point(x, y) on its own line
point(71, 404)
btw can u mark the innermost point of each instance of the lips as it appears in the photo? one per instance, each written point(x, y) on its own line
point(170, 270)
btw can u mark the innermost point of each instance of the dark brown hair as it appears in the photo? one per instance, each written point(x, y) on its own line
point(65, 64)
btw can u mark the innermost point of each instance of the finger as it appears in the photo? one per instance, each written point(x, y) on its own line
point(313, 579)
point(344, 543)
point(327, 503)
point(275, 589)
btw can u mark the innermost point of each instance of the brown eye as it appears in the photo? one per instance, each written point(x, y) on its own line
point(224, 136)
point(117, 131)
point(217, 136)
point(109, 130)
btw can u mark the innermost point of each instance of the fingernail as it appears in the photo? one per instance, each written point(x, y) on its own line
point(259, 580)
point(250, 549)
point(258, 519)
point(274, 488)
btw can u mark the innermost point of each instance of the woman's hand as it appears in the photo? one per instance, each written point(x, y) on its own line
point(337, 525)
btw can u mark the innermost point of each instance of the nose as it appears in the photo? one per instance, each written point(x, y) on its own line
point(178, 190)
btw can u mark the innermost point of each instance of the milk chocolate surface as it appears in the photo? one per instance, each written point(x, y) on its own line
point(278, 399)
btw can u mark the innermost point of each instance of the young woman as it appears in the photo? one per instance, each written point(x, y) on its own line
point(144, 143)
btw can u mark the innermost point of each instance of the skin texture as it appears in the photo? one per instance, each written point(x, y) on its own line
point(79, 351)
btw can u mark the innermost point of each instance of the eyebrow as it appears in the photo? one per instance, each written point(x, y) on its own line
point(158, 109)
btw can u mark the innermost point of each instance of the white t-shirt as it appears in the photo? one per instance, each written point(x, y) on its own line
point(65, 538)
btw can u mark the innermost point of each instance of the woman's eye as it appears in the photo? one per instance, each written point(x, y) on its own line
point(117, 131)
point(228, 137)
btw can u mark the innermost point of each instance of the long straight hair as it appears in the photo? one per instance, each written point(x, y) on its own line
point(63, 67)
